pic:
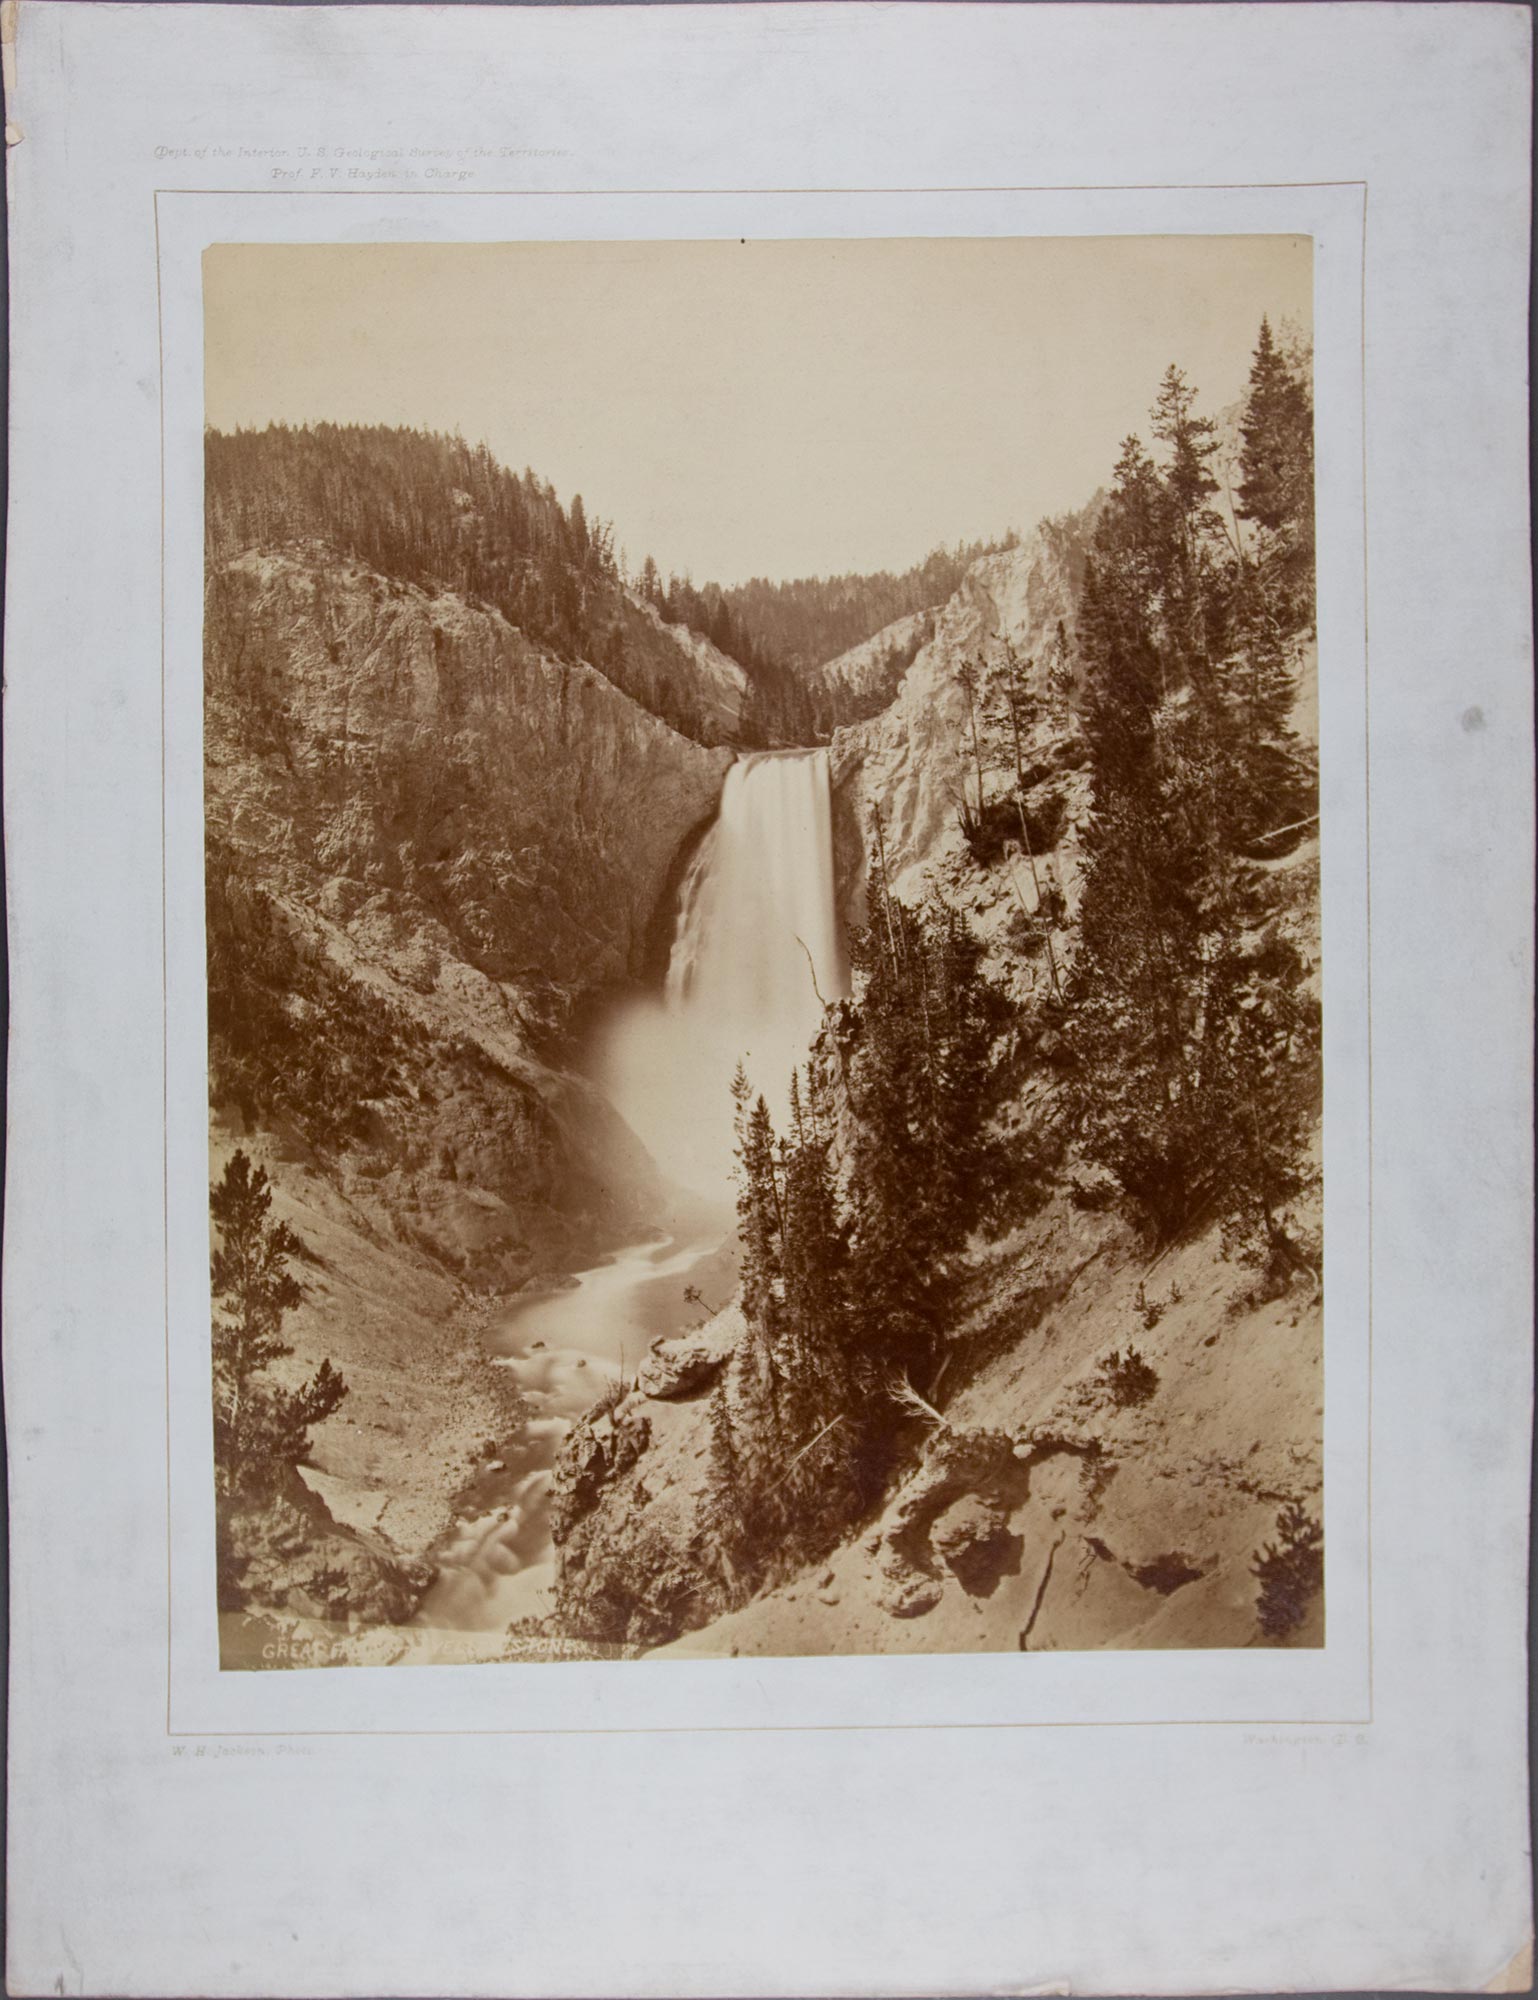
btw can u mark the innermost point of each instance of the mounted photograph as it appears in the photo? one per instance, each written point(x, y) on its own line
point(763, 947)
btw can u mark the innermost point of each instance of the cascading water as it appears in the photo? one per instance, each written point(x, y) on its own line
point(757, 940)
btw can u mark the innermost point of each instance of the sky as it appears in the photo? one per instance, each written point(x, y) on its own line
point(760, 408)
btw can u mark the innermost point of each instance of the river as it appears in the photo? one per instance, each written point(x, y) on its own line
point(756, 943)
point(564, 1347)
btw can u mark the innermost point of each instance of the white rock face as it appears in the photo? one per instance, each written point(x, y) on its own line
point(917, 756)
point(863, 681)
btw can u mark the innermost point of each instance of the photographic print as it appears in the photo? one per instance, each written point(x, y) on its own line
point(762, 911)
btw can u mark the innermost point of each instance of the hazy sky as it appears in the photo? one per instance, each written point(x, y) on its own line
point(761, 408)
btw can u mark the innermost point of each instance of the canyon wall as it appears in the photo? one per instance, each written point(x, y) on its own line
point(429, 842)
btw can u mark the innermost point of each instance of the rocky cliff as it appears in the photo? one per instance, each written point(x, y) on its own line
point(915, 766)
point(447, 793)
point(429, 841)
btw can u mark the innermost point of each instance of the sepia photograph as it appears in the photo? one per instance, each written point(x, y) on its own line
point(763, 948)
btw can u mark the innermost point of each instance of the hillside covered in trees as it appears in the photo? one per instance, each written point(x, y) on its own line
point(1117, 1065)
point(444, 515)
point(799, 626)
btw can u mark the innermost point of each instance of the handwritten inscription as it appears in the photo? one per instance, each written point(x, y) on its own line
point(1292, 1739)
point(241, 1750)
point(344, 166)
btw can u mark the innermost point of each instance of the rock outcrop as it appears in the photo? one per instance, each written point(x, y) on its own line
point(440, 788)
point(917, 756)
point(855, 685)
point(677, 1368)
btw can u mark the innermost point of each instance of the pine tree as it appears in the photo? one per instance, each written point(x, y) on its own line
point(968, 677)
point(1191, 441)
point(845, 1298)
point(260, 1428)
point(760, 1216)
point(1188, 484)
point(723, 1505)
point(1276, 459)
point(920, 1166)
point(1276, 489)
point(1019, 704)
point(1193, 1035)
point(1128, 668)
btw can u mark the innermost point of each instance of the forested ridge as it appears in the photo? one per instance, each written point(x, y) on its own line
point(442, 514)
point(804, 623)
point(432, 511)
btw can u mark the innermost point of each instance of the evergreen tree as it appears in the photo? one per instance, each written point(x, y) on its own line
point(759, 1207)
point(260, 1428)
point(1188, 484)
point(1276, 489)
point(968, 677)
point(1276, 460)
point(1128, 670)
point(1191, 1025)
point(921, 1168)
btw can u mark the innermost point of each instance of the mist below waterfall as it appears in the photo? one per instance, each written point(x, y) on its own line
point(757, 939)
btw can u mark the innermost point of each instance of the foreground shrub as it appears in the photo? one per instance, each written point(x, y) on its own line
point(1290, 1571)
point(1127, 1378)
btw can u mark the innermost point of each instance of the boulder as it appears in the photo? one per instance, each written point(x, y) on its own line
point(972, 1538)
point(679, 1368)
point(909, 1594)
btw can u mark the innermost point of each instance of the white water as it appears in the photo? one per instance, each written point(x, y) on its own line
point(757, 938)
point(564, 1348)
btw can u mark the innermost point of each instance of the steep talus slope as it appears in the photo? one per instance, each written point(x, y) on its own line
point(1040, 1515)
point(1046, 1509)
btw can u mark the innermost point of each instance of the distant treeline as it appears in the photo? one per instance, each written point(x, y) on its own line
point(801, 625)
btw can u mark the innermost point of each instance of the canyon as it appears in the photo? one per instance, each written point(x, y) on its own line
point(538, 923)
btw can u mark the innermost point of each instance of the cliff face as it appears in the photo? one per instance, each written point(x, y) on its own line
point(406, 764)
point(720, 689)
point(428, 842)
point(919, 757)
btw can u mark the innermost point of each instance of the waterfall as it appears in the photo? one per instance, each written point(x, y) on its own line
point(756, 905)
point(757, 938)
